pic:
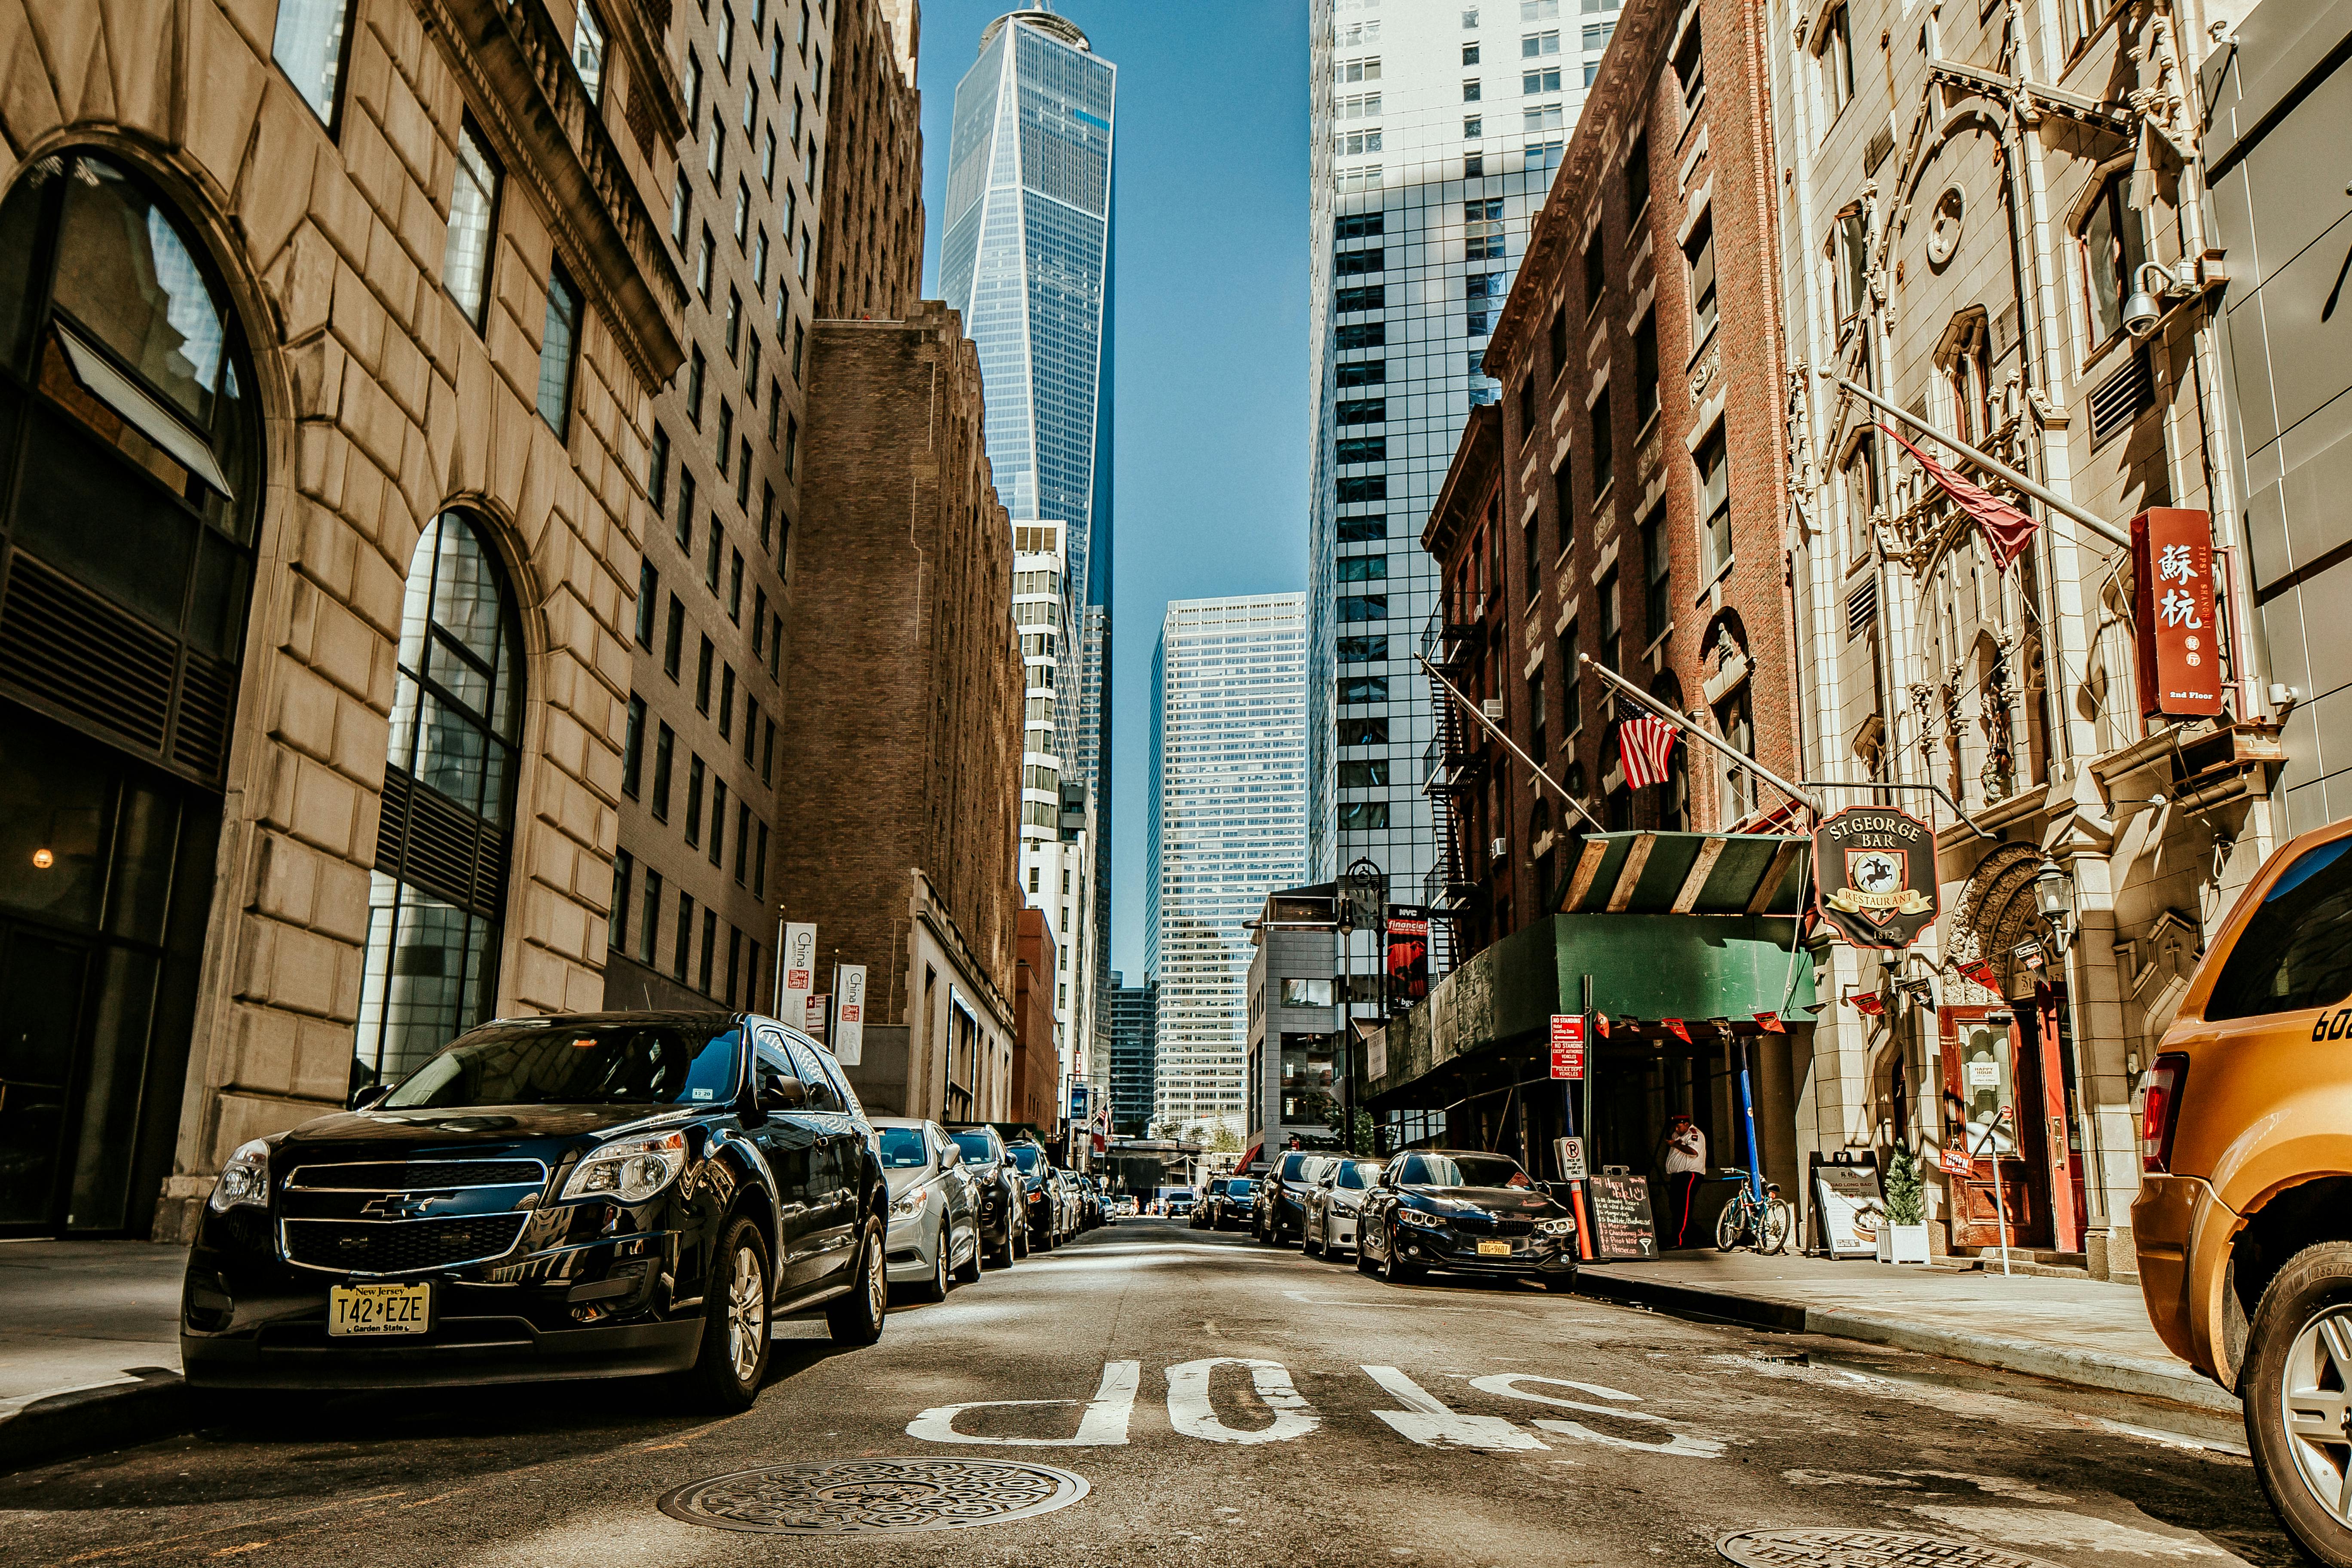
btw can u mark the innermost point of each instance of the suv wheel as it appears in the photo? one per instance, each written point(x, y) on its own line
point(1006, 1250)
point(855, 1318)
point(969, 1270)
point(2297, 1384)
point(1395, 1270)
point(732, 1358)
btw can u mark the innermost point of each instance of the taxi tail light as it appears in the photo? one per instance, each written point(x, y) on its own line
point(2159, 1110)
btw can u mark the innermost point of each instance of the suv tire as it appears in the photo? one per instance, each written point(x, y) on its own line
point(855, 1318)
point(732, 1361)
point(2308, 1305)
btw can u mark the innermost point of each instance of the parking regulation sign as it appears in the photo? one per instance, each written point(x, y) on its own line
point(1568, 1045)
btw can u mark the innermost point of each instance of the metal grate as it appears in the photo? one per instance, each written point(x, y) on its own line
point(854, 1496)
point(399, 1246)
point(430, 841)
point(71, 648)
point(417, 1176)
point(1862, 1549)
point(2120, 399)
point(1882, 142)
point(208, 701)
point(1862, 610)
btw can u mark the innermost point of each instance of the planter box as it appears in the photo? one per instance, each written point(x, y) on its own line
point(1902, 1243)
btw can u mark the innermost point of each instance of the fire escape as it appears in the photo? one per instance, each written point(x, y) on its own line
point(1451, 768)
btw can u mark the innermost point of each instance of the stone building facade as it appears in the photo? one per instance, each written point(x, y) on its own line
point(870, 251)
point(351, 313)
point(1036, 1051)
point(694, 925)
point(898, 817)
point(1967, 204)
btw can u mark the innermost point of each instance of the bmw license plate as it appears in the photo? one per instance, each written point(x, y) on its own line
point(361, 1309)
point(1494, 1249)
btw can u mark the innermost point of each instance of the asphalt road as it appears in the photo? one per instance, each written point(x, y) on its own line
point(1237, 1406)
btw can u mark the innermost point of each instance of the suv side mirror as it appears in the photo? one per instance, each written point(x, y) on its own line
point(950, 1157)
point(373, 1094)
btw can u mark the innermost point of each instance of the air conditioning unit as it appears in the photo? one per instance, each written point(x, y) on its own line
point(1493, 708)
point(1500, 849)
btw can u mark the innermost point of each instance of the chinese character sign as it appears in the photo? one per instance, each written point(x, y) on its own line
point(797, 959)
point(848, 1040)
point(2179, 635)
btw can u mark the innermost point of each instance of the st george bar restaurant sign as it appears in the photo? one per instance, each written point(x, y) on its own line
point(1876, 867)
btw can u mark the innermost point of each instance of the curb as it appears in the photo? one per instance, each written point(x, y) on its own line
point(2086, 1369)
point(88, 1420)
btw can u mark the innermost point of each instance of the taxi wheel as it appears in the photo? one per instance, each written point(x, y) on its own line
point(2297, 1386)
point(855, 1318)
point(732, 1359)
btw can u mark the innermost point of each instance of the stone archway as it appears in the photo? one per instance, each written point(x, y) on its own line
point(1991, 915)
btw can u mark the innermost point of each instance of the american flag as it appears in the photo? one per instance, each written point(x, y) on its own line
point(1644, 743)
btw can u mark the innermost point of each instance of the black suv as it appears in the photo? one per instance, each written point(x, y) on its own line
point(996, 1188)
point(586, 1196)
point(1279, 1207)
point(1039, 1199)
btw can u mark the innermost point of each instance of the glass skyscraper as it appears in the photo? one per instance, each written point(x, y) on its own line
point(1228, 825)
point(1026, 258)
point(1436, 131)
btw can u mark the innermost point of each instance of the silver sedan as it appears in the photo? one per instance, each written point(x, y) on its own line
point(934, 1223)
point(1330, 1224)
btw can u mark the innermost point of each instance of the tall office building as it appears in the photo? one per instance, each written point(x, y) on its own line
point(1026, 256)
point(1437, 128)
point(1134, 1029)
point(1228, 822)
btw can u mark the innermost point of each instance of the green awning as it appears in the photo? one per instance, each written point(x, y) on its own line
point(1685, 874)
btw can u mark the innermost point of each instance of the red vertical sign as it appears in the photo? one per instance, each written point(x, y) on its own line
point(1567, 1045)
point(2180, 636)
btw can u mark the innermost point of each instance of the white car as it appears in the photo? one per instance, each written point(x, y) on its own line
point(1331, 1205)
point(934, 1223)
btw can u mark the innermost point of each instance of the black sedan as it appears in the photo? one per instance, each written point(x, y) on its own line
point(996, 1183)
point(1233, 1214)
point(588, 1196)
point(1472, 1212)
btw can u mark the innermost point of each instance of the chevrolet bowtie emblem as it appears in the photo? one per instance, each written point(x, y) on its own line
point(403, 1206)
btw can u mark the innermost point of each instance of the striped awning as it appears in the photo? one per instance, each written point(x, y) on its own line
point(1686, 874)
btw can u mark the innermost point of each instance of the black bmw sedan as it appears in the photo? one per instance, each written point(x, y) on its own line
point(996, 1183)
point(584, 1195)
point(1457, 1209)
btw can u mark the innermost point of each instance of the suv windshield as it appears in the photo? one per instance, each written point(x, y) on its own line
point(901, 1148)
point(1025, 1155)
point(1462, 1171)
point(975, 1147)
point(547, 1062)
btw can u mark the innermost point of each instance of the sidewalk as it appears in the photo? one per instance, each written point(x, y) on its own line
point(90, 1346)
point(2084, 1331)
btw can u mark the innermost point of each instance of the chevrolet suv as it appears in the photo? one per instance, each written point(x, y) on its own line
point(587, 1195)
point(2244, 1223)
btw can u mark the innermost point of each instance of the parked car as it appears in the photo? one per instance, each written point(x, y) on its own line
point(1068, 1213)
point(2247, 1176)
point(1178, 1205)
point(1038, 1197)
point(996, 1185)
point(1205, 1210)
point(1279, 1211)
point(1240, 1197)
point(934, 1221)
point(1332, 1207)
point(1466, 1210)
point(581, 1196)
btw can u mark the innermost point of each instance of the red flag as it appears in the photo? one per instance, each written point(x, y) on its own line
point(1770, 1024)
point(1676, 1026)
point(1869, 1003)
point(1644, 744)
point(2007, 531)
point(1978, 972)
point(1600, 1022)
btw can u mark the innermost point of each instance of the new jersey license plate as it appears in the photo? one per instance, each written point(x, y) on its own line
point(362, 1310)
point(1494, 1249)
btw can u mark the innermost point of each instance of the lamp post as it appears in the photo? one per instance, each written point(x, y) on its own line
point(2053, 896)
point(1360, 899)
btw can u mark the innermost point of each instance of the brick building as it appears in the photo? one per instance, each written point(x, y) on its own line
point(693, 925)
point(348, 316)
point(870, 244)
point(899, 816)
point(1036, 1047)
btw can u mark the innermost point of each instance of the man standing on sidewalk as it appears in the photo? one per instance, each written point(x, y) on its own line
point(1686, 1163)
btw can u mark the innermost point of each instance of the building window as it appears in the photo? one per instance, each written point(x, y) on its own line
point(2111, 249)
point(1613, 627)
point(588, 52)
point(1370, 774)
point(1714, 500)
point(681, 961)
point(437, 892)
point(718, 821)
point(696, 369)
point(672, 642)
point(1604, 445)
point(1571, 687)
point(1852, 244)
point(1734, 722)
point(1364, 650)
point(704, 662)
point(648, 596)
point(1363, 568)
point(616, 919)
point(308, 47)
point(650, 922)
point(1363, 731)
point(1645, 370)
point(792, 445)
point(1363, 488)
point(664, 754)
point(633, 748)
point(1356, 689)
point(473, 216)
point(694, 802)
point(559, 345)
point(1637, 177)
point(1699, 251)
point(1536, 744)
point(1363, 815)
point(1364, 607)
point(1658, 600)
point(683, 529)
point(1837, 60)
point(1690, 68)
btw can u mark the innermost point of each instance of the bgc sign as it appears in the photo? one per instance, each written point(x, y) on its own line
point(1876, 870)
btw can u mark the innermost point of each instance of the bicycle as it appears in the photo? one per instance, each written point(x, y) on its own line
point(1763, 1223)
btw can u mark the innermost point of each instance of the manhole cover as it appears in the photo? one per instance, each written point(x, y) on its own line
point(851, 1495)
point(1862, 1549)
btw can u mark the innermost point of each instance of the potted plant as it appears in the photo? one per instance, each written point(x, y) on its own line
point(1903, 1235)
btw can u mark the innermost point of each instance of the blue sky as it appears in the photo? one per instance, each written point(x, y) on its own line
point(1210, 401)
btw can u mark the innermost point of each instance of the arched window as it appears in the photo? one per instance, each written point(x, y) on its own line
point(437, 894)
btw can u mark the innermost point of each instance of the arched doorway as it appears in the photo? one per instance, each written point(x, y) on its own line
point(130, 490)
point(436, 897)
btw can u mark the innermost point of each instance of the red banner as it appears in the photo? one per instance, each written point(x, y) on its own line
point(2180, 636)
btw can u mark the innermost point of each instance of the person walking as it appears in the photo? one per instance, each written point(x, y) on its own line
point(1686, 1163)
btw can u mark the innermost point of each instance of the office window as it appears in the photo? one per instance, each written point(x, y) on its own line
point(1571, 709)
point(1535, 46)
point(1538, 745)
point(768, 513)
point(1613, 627)
point(1563, 499)
point(759, 864)
point(617, 920)
point(1699, 251)
point(1362, 530)
point(1637, 176)
point(751, 366)
point(734, 961)
point(1372, 775)
point(742, 845)
point(792, 445)
point(742, 214)
point(709, 947)
point(309, 47)
point(1657, 607)
point(559, 344)
point(775, 645)
point(1364, 607)
point(1363, 731)
point(1363, 488)
point(703, 259)
point(1596, 271)
point(473, 216)
point(2111, 248)
point(1470, 91)
point(1364, 650)
point(734, 324)
point(674, 639)
point(1363, 688)
point(713, 555)
point(633, 748)
point(768, 173)
point(743, 474)
point(650, 929)
point(694, 771)
point(1361, 450)
point(1361, 335)
point(718, 821)
point(696, 369)
point(1527, 401)
point(1361, 372)
point(705, 662)
point(1714, 499)
point(1363, 815)
point(683, 529)
point(588, 51)
point(682, 960)
point(1645, 370)
point(768, 741)
point(648, 603)
point(1370, 297)
point(726, 702)
point(665, 748)
point(725, 41)
point(1469, 54)
point(1544, 78)
point(1364, 411)
point(725, 449)
point(1603, 445)
point(1837, 60)
point(735, 585)
point(1690, 69)
point(657, 471)
point(682, 210)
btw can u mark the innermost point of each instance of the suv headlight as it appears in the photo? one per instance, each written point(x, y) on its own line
point(909, 1204)
point(245, 1179)
point(1421, 1219)
point(1563, 1225)
point(629, 1169)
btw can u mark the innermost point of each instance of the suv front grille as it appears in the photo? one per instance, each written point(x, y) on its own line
point(417, 1176)
point(400, 1246)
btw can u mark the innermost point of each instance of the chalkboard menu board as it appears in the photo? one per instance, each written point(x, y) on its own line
point(1621, 1223)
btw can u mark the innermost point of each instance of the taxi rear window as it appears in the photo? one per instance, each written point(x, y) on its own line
point(2297, 949)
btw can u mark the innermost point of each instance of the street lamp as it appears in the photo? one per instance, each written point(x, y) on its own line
point(1360, 897)
point(2053, 895)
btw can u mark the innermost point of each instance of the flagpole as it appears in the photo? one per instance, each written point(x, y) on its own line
point(1497, 731)
point(1999, 470)
point(1809, 802)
